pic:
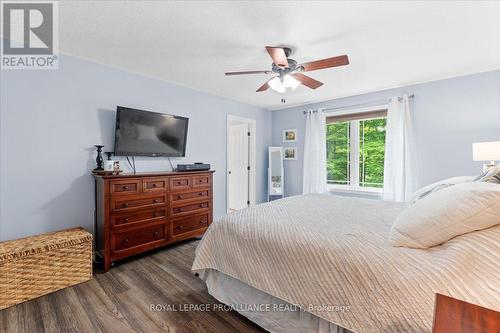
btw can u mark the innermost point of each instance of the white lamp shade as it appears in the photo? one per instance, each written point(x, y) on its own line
point(277, 85)
point(486, 151)
point(290, 82)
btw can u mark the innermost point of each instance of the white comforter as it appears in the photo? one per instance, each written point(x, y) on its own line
point(323, 252)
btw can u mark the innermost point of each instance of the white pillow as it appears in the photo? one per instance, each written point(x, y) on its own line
point(448, 213)
point(434, 187)
point(491, 175)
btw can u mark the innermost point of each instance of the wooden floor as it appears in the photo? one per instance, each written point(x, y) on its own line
point(119, 301)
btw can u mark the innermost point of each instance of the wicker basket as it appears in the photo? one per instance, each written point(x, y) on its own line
point(35, 266)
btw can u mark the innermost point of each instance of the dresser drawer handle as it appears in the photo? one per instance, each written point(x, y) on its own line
point(179, 197)
point(200, 180)
point(126, 219)
point(126, 240)
point(180, 209)
point(125, 205)
point(156, 214)
point(201, 193)
point(203, 205)
point(179, 183)
point(155, 201)
point(181, 227)
point(202, 221)
point(125, 187)
point(156, 233)
point(154, 185)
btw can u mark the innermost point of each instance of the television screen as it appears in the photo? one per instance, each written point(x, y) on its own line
point(144, 133)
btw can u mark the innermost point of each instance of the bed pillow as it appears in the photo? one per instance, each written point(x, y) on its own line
point(426, 190)
point(490, 176)
point(448, 213)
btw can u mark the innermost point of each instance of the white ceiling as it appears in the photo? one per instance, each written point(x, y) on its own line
point(191, 43)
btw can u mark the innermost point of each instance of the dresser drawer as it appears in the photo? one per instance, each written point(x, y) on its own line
point(180, 183)
point(190, 223)
point(179, 198)
point(190, 208)
point(154, 184)
point(130, 203)
point(136, 237)
point(125, 186)
point(140, 217)
point(201, 181)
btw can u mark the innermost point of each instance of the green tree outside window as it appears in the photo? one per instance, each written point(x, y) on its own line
point(371, 148)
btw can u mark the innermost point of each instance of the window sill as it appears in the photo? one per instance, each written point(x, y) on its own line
point(372, 192)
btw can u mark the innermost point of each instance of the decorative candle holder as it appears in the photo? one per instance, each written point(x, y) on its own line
point(99, 160)
point(108, 164)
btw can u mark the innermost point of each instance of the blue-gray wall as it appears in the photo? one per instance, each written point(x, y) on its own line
point(448, 115)
point(50, 119)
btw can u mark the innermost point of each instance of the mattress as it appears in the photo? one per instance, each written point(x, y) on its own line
point(269, 312)
point(323, 253)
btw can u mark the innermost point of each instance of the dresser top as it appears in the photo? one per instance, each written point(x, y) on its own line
point(152, 174)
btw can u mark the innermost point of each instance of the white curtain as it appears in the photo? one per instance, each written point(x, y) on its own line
point(399, 162)
point(314, 173)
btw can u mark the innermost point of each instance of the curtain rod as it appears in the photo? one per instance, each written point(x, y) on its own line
point(374, 103)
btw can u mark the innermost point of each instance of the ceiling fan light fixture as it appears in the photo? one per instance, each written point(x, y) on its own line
point(289, 73)
point(277, 85)
point(290, 82)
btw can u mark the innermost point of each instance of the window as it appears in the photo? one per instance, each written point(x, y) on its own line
point(355, 145)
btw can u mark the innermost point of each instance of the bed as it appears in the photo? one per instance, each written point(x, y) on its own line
point(329, 256)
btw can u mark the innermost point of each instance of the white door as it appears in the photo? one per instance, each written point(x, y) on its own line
point(238, 166)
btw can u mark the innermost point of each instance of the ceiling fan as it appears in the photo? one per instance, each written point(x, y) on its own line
point(288, 73)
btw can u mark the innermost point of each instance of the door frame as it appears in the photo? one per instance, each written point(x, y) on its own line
point(252, 128)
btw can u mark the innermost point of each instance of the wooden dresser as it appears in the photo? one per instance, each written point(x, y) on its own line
point(140, 212)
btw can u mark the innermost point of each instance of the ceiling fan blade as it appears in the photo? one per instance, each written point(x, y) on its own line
point(263, 87)
point(307, 81)
point(248, 72)
point(325, 63)
point(278, 55)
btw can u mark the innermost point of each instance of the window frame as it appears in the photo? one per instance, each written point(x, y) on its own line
point(353, 186)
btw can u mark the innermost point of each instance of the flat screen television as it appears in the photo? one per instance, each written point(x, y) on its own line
point(145, 133)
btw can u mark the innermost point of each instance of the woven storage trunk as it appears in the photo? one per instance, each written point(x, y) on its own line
point(35, 266)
